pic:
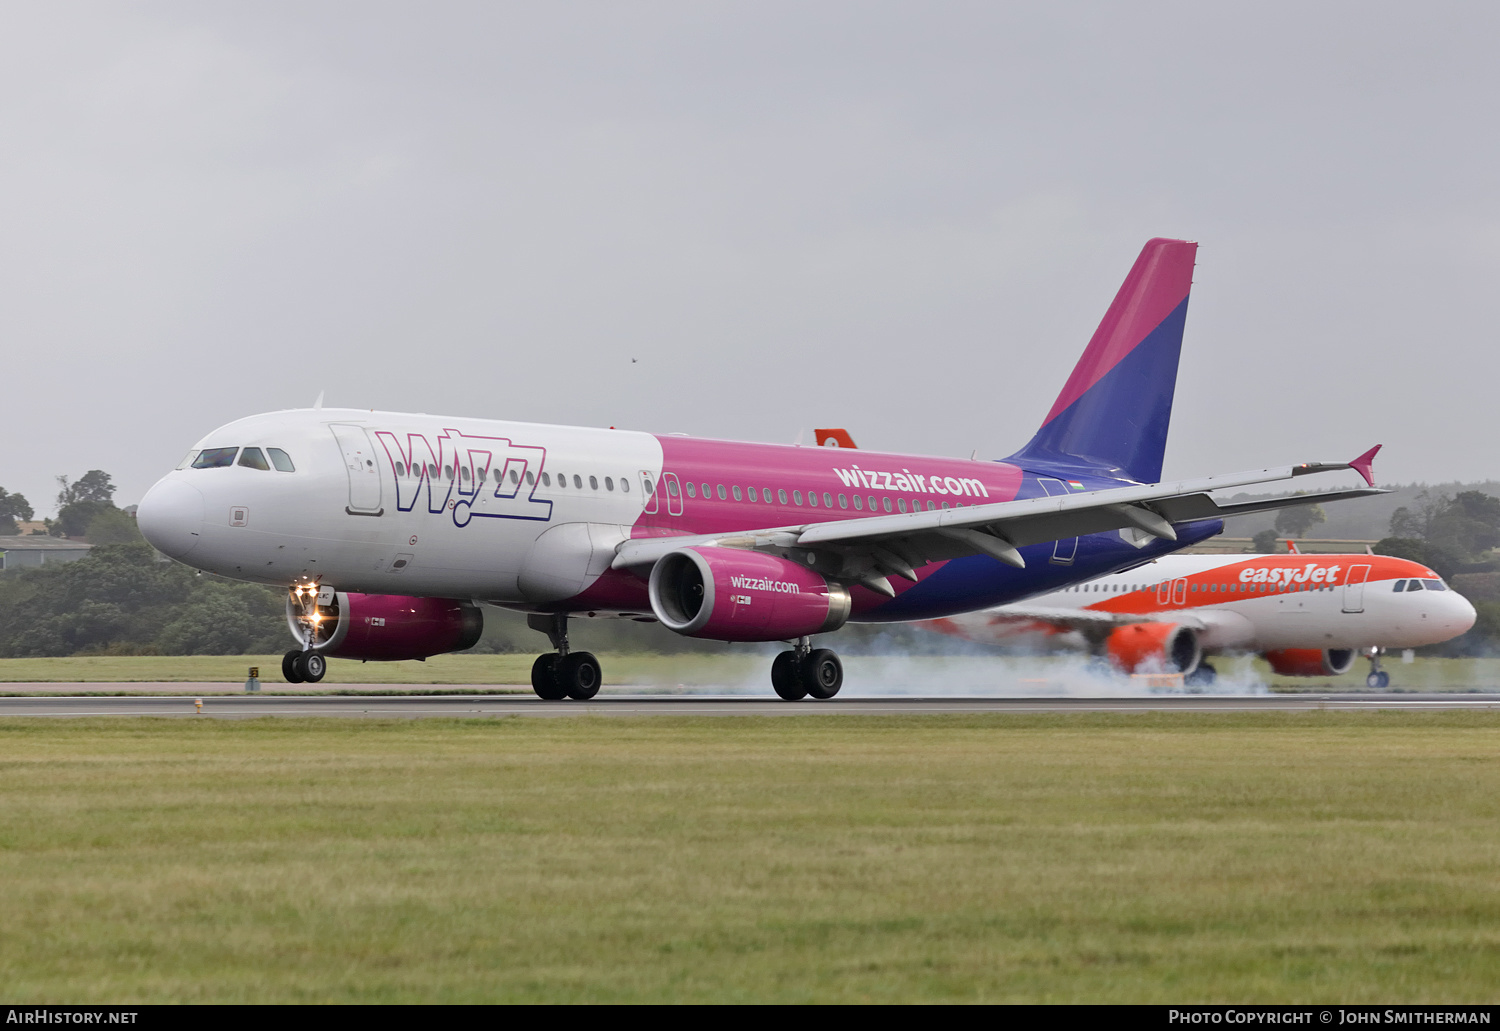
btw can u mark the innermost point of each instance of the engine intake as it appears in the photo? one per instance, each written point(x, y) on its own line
point(1154, 648)
point(1311, 662)
point(386, 627)
point(726, 594)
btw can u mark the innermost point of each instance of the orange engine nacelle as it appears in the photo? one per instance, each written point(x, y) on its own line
point(1310, 662)
point(1154, 648)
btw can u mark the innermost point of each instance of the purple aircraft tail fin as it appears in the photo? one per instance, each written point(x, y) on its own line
point(1112, 415)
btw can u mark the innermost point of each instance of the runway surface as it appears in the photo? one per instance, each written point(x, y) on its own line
point(480, 706)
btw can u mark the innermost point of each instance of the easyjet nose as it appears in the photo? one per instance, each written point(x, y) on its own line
point(1460, 612)
point(170, 516)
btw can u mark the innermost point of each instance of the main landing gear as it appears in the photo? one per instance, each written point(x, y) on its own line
point(563, 673)
point(303, 667)
point(1378, 677)
point(805, 670)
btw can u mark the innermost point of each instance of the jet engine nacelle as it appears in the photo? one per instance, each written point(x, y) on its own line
point(388, 627)
point(1154, 648)
point(1311, 662)
point(726, 594)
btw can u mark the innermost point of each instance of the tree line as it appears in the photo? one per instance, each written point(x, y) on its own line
point(122, 598)
point(125, 599)
point(85, 508)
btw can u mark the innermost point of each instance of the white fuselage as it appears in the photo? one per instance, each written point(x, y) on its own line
point(431, 529)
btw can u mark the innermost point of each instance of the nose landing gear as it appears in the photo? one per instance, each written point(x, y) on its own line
point(563, 673)
point(312, 613)
point(1378, 677)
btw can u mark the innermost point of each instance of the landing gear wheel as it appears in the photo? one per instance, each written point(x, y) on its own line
point(309, 667)
point(1203, 676)
point(544, 678)
point(578, 676)
point(822, 672)
point(289, 671)
point(1378, 680)
point(786, 678)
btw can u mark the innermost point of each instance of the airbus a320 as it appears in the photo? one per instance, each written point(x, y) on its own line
point(391, 531)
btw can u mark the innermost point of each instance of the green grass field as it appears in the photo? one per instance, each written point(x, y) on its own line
point(1309, 857)
point(739, 667)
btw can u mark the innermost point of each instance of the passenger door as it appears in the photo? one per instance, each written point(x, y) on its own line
point(1354, 588)
point(364, 474)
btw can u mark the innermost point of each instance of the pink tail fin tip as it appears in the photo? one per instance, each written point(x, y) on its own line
point(1364, 464)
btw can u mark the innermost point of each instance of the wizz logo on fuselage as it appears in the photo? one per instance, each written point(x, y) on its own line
point(467, 475)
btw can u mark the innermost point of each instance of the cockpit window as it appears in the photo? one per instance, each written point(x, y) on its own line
point(1435, 585)
point(252, 458)
point(281, 460)
point(215, 458)
point(1414, 585)
point(187, 459)
point(1400, 586)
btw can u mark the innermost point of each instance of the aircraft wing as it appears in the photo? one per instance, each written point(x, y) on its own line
point(1021, 616)
point(1217, 627)
point(868, 550)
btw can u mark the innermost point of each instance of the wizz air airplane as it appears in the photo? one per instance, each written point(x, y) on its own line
point(1306, 615)
point(391, 530)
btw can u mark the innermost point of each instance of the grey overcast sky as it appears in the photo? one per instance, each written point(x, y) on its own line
point(902, 218)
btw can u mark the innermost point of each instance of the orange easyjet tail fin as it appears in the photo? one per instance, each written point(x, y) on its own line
point(834, 438)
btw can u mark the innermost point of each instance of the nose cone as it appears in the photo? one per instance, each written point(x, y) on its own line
point(170, 516)
point(1457, 613)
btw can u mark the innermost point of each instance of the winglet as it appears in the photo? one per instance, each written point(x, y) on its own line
point(1364, 464)
point(1291, 547)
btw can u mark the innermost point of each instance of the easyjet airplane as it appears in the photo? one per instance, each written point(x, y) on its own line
point(390, 530)
point(1307, 615)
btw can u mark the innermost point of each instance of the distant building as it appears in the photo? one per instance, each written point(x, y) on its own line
point(28, 551)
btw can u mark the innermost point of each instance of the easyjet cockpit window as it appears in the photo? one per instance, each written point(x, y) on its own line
point(1432, 585)
point(215, 458)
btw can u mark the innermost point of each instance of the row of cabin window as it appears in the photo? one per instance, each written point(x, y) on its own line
point(416, 469)
point(1211, 588)
point(250, 458)
point(780, 497)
